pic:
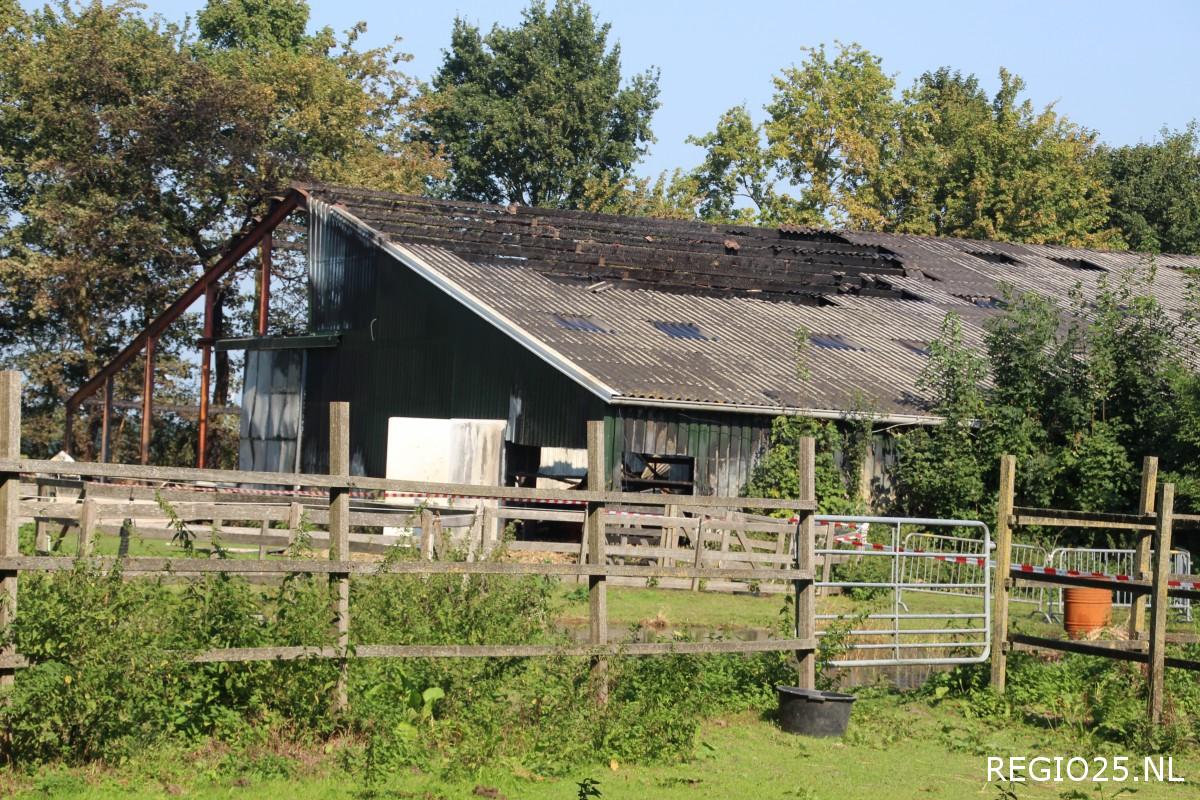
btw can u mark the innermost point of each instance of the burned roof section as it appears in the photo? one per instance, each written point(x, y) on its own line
point(792, 262)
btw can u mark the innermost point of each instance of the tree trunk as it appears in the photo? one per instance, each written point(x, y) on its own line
point(221, 358)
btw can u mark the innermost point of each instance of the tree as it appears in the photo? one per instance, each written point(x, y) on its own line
point(966, 165)
point(130, 151)
point(840, 148)
point(827, 134)
point(737, 169)
point(1078, 395)
point(253, 24)
point(777, 475)
point(831, 126)
point(537, 114)
point(669, 196)
point(1134, 361)
point(1155, 192)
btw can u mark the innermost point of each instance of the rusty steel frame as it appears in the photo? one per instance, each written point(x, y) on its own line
point(105, 433)
point(147, 398)
point(147, 340)
point(264, 283)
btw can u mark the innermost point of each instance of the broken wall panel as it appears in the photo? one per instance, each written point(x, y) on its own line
point(272, 404)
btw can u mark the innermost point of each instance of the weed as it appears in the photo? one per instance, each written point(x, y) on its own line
point(301, 544)
point(588, 787)
point(802, 792)
point(833, 646)
point(1098, 793)
point(183, 536)
point(1007, 791)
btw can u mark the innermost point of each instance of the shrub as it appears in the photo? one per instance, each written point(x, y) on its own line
point(110, 674)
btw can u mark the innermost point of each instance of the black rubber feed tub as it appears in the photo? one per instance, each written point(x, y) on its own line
point(813, 713)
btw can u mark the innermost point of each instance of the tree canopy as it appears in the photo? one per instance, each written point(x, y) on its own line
point(130, 150)
point(537, 114)
point(1155, 191)
point(968, 165)
point(840, 147)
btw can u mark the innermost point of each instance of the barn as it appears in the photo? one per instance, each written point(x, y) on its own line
point(686, 338)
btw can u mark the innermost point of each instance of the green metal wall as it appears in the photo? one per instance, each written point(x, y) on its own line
point(725, 446)
point(408, 349)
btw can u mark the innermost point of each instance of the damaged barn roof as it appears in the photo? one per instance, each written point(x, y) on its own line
point(658, 312)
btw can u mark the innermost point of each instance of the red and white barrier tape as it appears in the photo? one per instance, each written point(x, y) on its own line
point(977, 561)
point(1075, 573)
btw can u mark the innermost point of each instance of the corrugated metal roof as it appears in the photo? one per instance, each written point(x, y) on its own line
point(747, 355)
point(880, 293)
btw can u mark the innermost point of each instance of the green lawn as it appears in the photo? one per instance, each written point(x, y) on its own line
point(896, 748)
point(110, 545)
point(673, 607)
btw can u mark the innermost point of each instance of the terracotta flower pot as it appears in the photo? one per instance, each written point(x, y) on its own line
point(1086, 610)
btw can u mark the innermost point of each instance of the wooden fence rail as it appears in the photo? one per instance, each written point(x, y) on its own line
point(339, 514)
point(1151, 579)
point(81, 509)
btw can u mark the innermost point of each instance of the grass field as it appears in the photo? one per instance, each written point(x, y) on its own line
point(630, 606)
point(897, 747)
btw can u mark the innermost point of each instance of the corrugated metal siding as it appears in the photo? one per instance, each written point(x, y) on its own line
point(271, 400)
point(342, 273)
point(725, 447)
point(410, 350)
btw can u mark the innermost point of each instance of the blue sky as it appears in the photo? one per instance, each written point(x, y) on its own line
point(1124, 69)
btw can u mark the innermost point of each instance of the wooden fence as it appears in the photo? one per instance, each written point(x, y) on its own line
point(227, 487)
point(1152, 578)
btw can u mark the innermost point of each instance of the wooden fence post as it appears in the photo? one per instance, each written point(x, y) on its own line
point(597, 585)
point(489, 540)
point(87, 528)
point(1002, 580)
point(698, 559)
point(294, 521)
point(1141, 558)
point(474, 540)
point(41, 526)
point(10, 496)
point(583, 540)
point(440, 546)
point(806, 600)
point(670, 536)
point(264, 530)
point(1160, 607)
point(339, 539)
point(426, 543)
point(494, 525)
point(124, 534)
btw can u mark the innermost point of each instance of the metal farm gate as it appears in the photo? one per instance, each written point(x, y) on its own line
point(928, 579)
